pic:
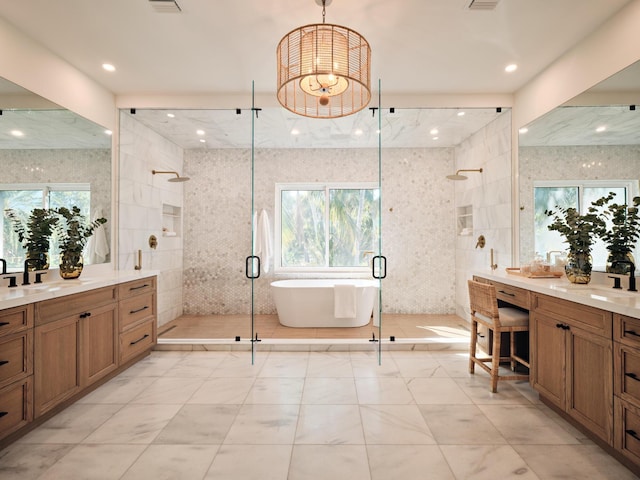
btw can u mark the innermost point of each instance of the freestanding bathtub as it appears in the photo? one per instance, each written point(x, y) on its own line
point(310, 302)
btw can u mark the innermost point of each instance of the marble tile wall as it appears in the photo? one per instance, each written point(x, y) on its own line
point(618, 162)
point(141, 198)
point(418, 222)
point(91, 166)
point(489, 196)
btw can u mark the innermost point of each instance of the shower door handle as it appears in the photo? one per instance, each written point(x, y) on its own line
point(382, 267)
point(248, 266)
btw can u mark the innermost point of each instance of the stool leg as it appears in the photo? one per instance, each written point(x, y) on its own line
point(495, 360)
point(472, 349)
point(512, 349)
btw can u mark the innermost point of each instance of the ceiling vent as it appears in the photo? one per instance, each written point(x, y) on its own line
point(165, 6)
point(482, 4)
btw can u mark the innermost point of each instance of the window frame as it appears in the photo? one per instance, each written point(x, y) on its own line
point(324, 270)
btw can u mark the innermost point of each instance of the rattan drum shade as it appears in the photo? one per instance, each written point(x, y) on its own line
point(324, 71)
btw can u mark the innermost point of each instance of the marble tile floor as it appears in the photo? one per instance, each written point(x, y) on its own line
point(306, 416)
point(436, 331)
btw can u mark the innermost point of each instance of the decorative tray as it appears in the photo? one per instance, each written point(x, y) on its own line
point(543, 274)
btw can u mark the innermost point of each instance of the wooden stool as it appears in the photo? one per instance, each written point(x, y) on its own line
point(485, 311)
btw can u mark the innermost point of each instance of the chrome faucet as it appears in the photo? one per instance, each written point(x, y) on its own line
point(632, 273)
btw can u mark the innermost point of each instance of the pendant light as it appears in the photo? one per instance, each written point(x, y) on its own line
point(324, 70)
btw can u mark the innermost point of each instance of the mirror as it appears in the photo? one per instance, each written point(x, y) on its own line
point(595, 137)
point(47, 149)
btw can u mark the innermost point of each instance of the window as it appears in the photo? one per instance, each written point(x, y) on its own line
point(579, 195)
point(326, 227)
point(25, 197)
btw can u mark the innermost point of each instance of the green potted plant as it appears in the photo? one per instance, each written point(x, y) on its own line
point(73, 231)
point(579, 233)
point(622, 235)
point(34, 233)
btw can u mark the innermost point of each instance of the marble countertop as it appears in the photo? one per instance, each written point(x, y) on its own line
point(57, 287)
point(598, 295)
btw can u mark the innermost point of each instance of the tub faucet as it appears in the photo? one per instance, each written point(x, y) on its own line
point(632, 273)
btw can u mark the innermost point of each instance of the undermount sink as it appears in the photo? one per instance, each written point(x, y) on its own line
point(597, 291)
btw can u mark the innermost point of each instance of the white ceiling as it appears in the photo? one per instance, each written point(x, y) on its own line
point(221, 47)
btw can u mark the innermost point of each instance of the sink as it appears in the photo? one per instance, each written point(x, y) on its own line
point(599, 291)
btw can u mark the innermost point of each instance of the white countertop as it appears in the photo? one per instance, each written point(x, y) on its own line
point(57, 287)
point(594, 294)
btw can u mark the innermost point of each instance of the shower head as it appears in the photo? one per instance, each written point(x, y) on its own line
point(457, 175)
point(177, 179)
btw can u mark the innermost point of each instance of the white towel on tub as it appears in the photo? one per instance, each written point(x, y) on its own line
point(344, 301)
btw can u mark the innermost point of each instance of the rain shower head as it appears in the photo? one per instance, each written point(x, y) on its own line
point(457, 175)
point(177, 179)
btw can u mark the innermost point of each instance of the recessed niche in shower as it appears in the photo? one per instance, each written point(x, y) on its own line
point(465, 220)
point(171, 220)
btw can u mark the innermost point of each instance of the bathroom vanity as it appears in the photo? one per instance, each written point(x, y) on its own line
point(60, 340)
point(584, 346)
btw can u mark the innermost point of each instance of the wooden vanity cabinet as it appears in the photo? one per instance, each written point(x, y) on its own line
point(626, 335)
point(75, 344)
point(572, 361)
point(137, 317)
point(16, 369)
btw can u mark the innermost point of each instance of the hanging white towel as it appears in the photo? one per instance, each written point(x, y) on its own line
point(262, 243)
point(97, 247)
point(344, 301)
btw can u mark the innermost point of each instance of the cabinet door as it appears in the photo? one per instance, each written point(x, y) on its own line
point(590, 381)
point(99, 343)
point(55, 363)
point(548, 357)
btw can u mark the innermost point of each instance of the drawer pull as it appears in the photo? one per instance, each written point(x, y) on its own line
point(631, 332)
point(2, 324)
point(138, 287)
point(140, 339)
point(507, 293)
point(131, 312)
point(85, 314)
point(2, 414)
point(632, 375)
point(563, 326)
point(633, 434)
point(3, 362)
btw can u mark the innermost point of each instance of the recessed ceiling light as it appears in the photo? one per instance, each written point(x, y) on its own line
point(108, 132)
point(170, 115)
point(511, 68)
point(295, 131)
point(601, 129)
point(202, 140)
point(358, 131)
point(523, 130)
point(461, 114)
point(108, 67)
point(17, 133)
point(200, 132)
point(434, 131)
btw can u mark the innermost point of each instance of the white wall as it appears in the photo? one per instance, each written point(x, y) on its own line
point(417, 222)
point(141, 196)
point(489, 195)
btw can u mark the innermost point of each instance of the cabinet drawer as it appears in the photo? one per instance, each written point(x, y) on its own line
point(513, 295)
point(136, 340)
point(626, 330)
point(63, 307)
point(627, 373)
point(135, 309)
point(507, 293)
point(16, 406)
point(582, 316)
point(16, 319)
point(16, 357)
point(137, 287)
point(627, 429)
